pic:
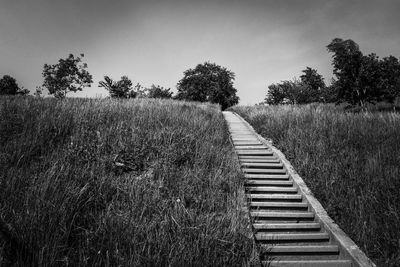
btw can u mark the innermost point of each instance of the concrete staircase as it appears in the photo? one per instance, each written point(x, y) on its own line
point(289, 225)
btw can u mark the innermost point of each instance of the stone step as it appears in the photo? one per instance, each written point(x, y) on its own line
point(264, 152)
point(234, 140)
point(292, 237)
point(262, 165)
point(270, 189)
point(258, 157)
point(238, 145)
point(264, 171)
point(282, 215)
point(267, 182)
point(287, 226)
point(262, 160)
point(275, 197)
point(267, 176)
point(308, 263)
point(250, 147)
point(300, 253)
point(282, 205)
point(303, 249)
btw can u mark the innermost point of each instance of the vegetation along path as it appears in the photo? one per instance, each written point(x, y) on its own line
point(290, 226)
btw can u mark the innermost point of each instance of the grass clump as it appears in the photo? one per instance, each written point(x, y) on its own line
point(350, 161)
point(105, 182)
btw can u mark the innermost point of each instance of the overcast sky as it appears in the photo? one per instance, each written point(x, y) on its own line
point(153, 42)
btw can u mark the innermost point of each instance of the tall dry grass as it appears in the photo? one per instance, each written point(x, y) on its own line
point(351, 162)
point(104, 182)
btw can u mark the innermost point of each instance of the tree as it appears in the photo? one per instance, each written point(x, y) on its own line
point(347, 61)
point(208, 82)
point(289, 92)
point(38, 91)
point(158, 92)
point(276, 95)
point(369, 86)
point(329, 93)
point(390, 78)
point(306, 90)
point(9, 86)
point(119, 89)
point(362, 79)
point(315, 83)
point(68, 75)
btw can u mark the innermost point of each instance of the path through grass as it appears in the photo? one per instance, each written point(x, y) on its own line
point(351, 162)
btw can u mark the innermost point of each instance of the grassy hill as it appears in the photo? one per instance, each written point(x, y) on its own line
point(351, 162)
point(104, 182)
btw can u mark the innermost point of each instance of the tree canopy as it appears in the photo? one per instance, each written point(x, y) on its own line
point(358, 79)
point(9, 86)
point(208, 82)
point(314, 83)
point(68, 75)
point(158, 92)
point(310, 88)
point(363, 78)
point(119, 89)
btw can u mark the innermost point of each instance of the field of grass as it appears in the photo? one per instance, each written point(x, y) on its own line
point(118, 183)
point(351, 162)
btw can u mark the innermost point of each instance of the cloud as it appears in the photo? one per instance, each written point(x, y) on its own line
point(262, 41)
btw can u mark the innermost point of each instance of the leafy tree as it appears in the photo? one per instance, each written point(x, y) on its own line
point(359, 79)
point(119, 89)
point(306, 90)
point(289, 92)
point(38, 91)
point(368, 86)
point(68, 75)
point(315, 83)
point(329, 93)
point(158, 92)
point(390, 78)
point(23, 91)
point(362, 79)
point(347, 62)
point(276, 95)
point(299, 92)
point(9, 86)
point(140, 91)
point(208, 82)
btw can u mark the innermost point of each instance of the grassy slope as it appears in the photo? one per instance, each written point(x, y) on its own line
point(351, 164)
point(105, 182)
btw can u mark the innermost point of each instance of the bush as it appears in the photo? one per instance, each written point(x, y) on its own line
point(9, 86)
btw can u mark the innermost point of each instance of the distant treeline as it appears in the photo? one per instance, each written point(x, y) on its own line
point(207, 82)
point(359, 79)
